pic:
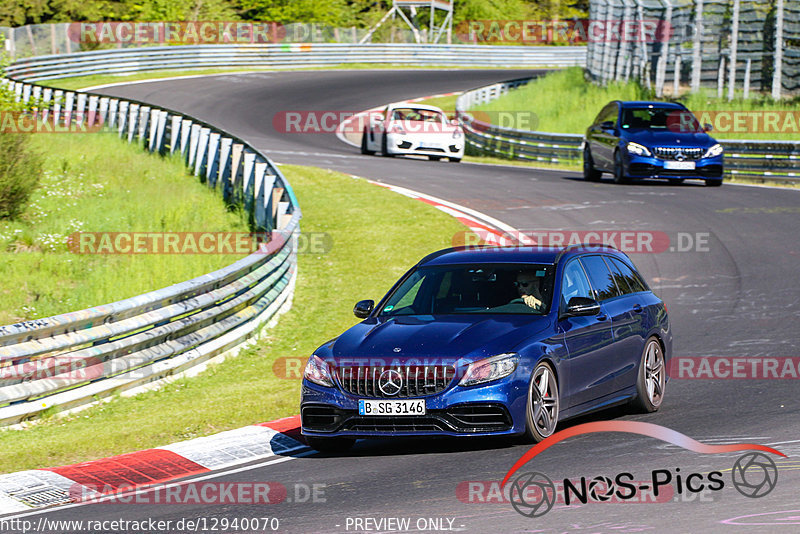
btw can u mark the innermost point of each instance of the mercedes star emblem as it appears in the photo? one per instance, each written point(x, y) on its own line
point(390, 382)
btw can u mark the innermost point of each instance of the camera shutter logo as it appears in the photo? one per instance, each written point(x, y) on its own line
point(532, 494)
point(754, 474)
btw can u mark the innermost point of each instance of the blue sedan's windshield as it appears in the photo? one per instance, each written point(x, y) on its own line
point(470, 289)
point(654, 118)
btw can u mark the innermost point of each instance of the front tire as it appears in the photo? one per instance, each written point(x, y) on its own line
point(434, 158)
point(330, 444)
point(385, 148)
point(541, 414)
point(454, 160)
point(619, 169)
point(590, 173)
point(675, 181)
point(651, 379)
point(364, 150)
point(713, 183)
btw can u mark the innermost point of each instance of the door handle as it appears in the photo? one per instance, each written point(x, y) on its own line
point(637, 308)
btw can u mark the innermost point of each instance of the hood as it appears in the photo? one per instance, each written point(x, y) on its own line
point(651, 138)
point(452, 337)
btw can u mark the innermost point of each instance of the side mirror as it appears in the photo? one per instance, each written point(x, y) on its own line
point(582, 306)
point(707, 127)
point(607, 125)
point(454, 121)
point(363, 308)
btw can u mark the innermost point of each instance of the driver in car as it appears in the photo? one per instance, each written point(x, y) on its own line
point(527, 285)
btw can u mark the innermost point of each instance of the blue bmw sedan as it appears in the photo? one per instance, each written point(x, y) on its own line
point(635, 140)
point(491, 341)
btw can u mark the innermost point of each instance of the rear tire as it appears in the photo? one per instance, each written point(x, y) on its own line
point(364, 149)
point(434, 158)
point(651, 379)
point(619, 169)
point(675, 181)
point(590, 173)
point(541, 413)
point(330, 444)
point(713, 183)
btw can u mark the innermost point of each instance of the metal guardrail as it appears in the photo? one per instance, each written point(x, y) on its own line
point(128, 61)
point(73, 359)
point(772, 160)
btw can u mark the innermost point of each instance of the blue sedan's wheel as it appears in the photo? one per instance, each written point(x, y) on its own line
point(541, 415)
point(713, 183)
point(330, 444)
point(652, 377)
point(619, 169)
point(590, 173)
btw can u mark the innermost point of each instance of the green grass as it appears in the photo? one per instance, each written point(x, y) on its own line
point(376, 235)
point(564, 102)
point(99, 183)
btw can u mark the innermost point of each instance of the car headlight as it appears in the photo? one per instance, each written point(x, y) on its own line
point(318, 371)
point(457, 134)
point(489, 369)
point(639, 150)
point(714, 151)
point(398, 129)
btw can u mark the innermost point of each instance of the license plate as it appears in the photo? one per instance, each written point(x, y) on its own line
point(679, 165)
point(430, 145)
point(391, 407)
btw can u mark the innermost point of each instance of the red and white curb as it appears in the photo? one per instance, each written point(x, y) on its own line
point(38, 488)
point(489, 230)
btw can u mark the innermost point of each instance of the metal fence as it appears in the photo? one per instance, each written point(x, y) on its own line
point(73, 359)
point(129, 61)
point(772, 160)
point(724, 44)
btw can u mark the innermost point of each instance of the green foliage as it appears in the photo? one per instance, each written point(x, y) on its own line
point(20, 168)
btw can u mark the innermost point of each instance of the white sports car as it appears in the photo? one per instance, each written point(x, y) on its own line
point(404, 129)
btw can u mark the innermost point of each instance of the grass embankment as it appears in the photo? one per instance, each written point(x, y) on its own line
point(376, 236)
point(564, 102)
point(99, 183)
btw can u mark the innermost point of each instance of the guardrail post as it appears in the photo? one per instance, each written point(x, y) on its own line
point(36, 95)
point(92, 115)
point(68, 108)
point(194, 137)
point(80, 113)
point(17, 91)
point(133, 117)
point(123, 116)
point(224, 173)
point(186, 133)
point(258, 216)
point(248, 170)
point(174, 132)
point(212, 165)
point(153, 129)
point(144, 121)
point(160, 129)
point(103, 108)
point(232, 191)
point(202, 149)
point(270, 208)
point(47, 98)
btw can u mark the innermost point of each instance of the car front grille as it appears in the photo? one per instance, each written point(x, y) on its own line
point(678, 153)
point(414, 380)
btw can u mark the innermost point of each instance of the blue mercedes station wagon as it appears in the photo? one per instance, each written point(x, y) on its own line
point(491, 341)
point(635, 140)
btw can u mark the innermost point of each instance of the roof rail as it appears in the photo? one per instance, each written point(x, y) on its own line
point(584, 245)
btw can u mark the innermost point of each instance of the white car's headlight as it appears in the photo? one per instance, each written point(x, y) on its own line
point(714, 151)
point(639, 150)
point(318, 371)
point(457, 134)
point(490, 369)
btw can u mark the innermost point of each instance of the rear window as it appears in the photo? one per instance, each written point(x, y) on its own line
point(628, 280)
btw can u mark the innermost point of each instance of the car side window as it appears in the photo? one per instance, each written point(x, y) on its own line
point(574, 283)
point(600, 277)
point(611, 114)
point(627, 278)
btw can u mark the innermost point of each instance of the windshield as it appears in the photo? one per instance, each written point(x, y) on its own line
point(473, 289)
point(676, 120)
point(415, 114)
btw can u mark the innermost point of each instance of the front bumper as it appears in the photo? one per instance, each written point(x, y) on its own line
point(492, 409)
point(442, 145)
point(651, 167)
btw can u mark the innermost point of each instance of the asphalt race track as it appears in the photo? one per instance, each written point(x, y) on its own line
point(734, 295)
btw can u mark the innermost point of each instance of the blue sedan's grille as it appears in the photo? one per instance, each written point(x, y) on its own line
point(415, 380)
point(678, 153)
